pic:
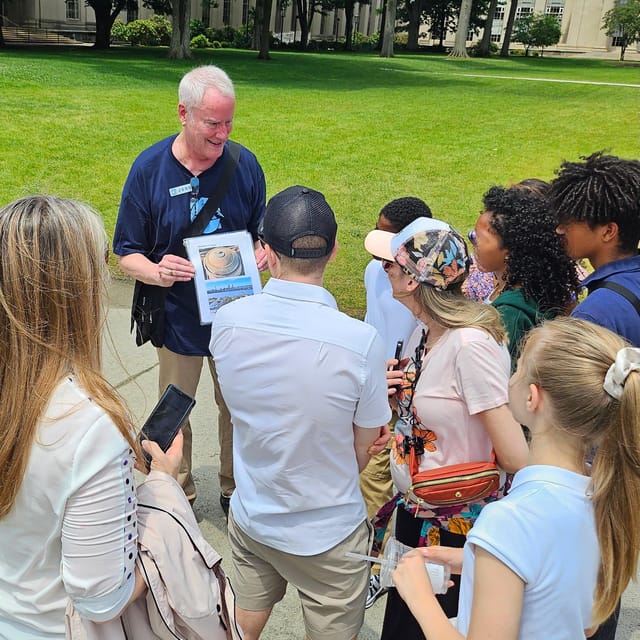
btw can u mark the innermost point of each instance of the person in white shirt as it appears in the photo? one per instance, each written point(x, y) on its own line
point(395, 324)
point(559, 550)
point(305, 385)
point(67, 494)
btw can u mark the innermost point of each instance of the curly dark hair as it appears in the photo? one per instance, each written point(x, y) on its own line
point(536, 260)
point(403, 211)
point(600, 190)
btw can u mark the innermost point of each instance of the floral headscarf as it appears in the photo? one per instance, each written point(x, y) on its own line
point(437, 257)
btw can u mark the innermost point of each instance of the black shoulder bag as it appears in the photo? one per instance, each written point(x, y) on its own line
point(148, 305)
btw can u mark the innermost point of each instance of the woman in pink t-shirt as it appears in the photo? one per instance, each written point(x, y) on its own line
point(451, 391)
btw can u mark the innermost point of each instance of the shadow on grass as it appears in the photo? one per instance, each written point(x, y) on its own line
point(342, 72)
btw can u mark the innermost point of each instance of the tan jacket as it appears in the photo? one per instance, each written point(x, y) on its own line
point(188, 595)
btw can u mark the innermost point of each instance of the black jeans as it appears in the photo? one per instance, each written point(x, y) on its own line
point(399, 623)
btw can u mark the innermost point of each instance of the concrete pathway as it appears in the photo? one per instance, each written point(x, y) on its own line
point(133, 370)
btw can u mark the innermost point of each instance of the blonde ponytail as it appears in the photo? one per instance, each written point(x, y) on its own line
point(569, 359)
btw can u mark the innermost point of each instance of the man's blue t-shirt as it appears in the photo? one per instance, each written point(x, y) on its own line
point(155, 215)
point(608, 308)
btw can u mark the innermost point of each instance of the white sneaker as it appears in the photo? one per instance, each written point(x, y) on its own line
point(375, 591)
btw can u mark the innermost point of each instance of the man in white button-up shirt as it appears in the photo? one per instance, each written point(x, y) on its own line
point(306, 388)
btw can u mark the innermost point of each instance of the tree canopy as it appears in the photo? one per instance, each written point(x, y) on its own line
point(537, 30)
point(623, 22)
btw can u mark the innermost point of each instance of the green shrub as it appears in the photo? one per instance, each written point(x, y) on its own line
point(153, 32)
point(197, 27)
point(119, 32)
point(226, 34)
point(242, 39)
point(200, 42)
point(493, 49)
point(162, 25)
point(357, 40)
point(142, 32)
point(401, 39)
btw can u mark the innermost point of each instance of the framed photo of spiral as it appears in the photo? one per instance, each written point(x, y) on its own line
point(225, 267)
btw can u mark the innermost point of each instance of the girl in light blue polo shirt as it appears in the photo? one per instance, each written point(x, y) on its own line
point(553, 557)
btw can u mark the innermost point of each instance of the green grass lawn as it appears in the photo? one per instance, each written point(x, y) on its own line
point(359, 128)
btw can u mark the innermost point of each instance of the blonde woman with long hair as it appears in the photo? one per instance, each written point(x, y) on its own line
point(450, 392)
point(67, 494)
point(557, 552)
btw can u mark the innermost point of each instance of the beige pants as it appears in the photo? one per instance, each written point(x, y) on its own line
point(184, 372)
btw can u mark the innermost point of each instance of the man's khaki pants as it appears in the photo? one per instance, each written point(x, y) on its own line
point(184, 372)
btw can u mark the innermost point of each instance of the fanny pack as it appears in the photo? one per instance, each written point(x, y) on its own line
point(451, 485)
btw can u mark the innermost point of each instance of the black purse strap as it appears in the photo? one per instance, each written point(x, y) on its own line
point(213, 202)
point(619, 289)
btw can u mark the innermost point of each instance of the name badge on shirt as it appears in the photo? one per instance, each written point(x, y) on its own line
point(183, 188)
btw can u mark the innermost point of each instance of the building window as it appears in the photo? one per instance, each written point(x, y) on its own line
point(132, 11)
point(617, 41)
point(73, 10)
point(521, 12)
point(470, 35)
point(226, 12)
point(245, 11)
point(555, 10)
point(499, 14)
point(496, 37)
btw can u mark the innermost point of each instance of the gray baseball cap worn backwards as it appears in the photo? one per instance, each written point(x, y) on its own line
point(298, 212)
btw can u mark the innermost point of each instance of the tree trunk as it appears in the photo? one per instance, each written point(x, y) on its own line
point(105, 13)
point(180, 47)
point(262, 29)
point(389, 30)
point(484, 50)
point(414, 9)
point(460, 46)
point(383, 26)
point(506, 43)
point(348, 26)
point(302, 20)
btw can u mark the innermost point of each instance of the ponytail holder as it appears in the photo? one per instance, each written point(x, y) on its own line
point(627, 360)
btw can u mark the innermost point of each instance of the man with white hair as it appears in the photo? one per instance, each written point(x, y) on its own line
point(167, 187)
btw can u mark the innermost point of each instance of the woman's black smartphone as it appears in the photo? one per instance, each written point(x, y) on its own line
point(398, 353)
point(167, 417)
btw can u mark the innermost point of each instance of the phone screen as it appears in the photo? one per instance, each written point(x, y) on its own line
point(163, 423)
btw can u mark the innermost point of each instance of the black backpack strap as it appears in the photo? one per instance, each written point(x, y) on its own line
point(619, 289)
point(213, 202)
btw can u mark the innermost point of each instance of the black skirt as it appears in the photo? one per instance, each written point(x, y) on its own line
point(399, 623)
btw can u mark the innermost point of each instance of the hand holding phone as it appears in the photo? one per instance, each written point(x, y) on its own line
point(167, 417)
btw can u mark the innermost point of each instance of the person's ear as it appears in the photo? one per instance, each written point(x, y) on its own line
point(334, 252)
point(272, 256)
point(182, 114)
point(412, 284)
point(534, 401)
point(610, 232)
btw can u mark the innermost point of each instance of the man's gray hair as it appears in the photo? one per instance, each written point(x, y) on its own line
point(196, 82)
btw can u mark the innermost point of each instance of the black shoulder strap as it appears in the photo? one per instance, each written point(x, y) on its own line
point(213, 202)
point(620, 290)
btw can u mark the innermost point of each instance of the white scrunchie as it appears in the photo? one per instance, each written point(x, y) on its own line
point(627, 360)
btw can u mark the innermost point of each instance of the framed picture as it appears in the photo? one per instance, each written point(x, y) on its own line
point(225, 267)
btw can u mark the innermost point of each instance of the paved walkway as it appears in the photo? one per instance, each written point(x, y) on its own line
point(133, 370)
